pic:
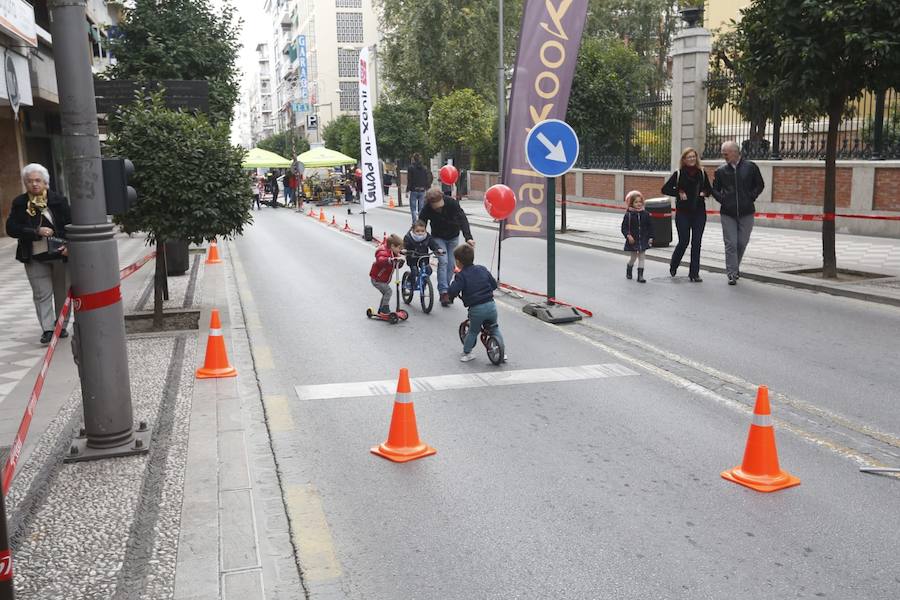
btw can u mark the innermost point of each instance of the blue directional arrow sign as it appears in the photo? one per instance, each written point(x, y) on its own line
point(551, 147)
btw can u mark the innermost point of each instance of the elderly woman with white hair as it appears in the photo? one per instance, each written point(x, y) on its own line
point(38, 219)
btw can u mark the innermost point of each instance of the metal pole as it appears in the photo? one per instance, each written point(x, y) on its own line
point(878, 126)
point(551, 239)
point(562, 225)
point(7, 589)
point(501, 93)
point(99, 341)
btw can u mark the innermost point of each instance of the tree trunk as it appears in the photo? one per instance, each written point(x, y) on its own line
point(829, 258)
point(159, 283)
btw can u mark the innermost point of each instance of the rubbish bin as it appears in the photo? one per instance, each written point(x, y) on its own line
point(367, 233)
point(660, 210)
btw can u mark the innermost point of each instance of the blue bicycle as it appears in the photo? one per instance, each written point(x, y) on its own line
point(421, 283)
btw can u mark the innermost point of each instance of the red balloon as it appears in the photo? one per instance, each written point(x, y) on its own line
point(359, 172)
point(449, 174)
point(499, 201)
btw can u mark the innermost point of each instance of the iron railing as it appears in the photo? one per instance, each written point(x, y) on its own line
point(870, 129)
point(639, 140)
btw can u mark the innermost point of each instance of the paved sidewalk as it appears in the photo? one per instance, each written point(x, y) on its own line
point(772, 252)
point(199, 516)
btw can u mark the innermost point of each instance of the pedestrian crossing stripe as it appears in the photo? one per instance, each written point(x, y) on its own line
point(355, 389)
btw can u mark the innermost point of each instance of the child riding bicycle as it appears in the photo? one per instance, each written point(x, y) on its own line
point(475, 284)
point(417, 243)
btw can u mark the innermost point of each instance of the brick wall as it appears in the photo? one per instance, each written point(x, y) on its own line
point(476, 182)
point(600, 187)
point(648, 186)
point(887, 189)
point(805, 185)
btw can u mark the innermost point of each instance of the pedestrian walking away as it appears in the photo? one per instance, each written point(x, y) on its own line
point(273, 187)
point(38, 219)
point(736, 186)
point(447, 220)
point(638, 231)
point(418, 180)
point(690, 187)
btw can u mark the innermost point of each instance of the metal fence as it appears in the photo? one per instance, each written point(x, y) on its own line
point(870, 129)
point(638, 141)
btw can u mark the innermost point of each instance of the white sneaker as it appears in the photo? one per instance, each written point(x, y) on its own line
point(466, 357)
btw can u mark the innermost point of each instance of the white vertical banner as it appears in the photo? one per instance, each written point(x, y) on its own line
point(372, 194)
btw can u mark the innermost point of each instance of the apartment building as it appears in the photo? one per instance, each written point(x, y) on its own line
point(315, 47)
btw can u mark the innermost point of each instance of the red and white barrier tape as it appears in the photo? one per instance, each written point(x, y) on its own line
point(759, 215)
point(9, 469)
point(585, 311)
point(15, 452)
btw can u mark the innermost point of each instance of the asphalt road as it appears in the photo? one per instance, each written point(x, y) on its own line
point(595, 488)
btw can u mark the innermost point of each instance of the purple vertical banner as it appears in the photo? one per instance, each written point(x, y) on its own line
point(549, 39)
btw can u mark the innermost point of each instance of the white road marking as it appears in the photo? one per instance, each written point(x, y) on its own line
point(459, 381)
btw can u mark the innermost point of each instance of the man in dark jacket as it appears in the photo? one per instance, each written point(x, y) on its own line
point(736, 185)
point(38, 219)
point(447, 220)
point(418, 179)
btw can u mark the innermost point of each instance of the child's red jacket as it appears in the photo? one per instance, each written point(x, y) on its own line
point(382, 267)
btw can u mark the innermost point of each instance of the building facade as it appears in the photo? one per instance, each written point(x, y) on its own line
point(31, 134)
point(315, 47)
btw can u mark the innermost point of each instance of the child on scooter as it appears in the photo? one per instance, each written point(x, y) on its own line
point(386, 256)
point(417, 242)
point(476, 286)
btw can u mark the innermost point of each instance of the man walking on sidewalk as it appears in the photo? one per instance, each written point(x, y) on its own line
point(736, 185)
point(418, 179)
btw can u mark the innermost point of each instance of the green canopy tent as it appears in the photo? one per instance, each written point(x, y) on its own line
point(257, 158)
point(323, 157)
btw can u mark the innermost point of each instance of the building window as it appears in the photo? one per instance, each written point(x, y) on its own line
point(347, 62)
point(348, 3)
point(349, 28)
point(349, 96)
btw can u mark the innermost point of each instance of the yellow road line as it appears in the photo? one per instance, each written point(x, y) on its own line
point(311, 534)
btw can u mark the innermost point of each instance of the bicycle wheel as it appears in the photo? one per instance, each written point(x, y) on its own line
point(426, 297)
point(494, 349)
point(463, 330)
point(407, 292)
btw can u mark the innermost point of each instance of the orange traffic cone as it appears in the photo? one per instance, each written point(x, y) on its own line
point(216, 362)
point(333, 221)
point(212, 256)
point(760, 470)
point(390, 202)
point(403, 442)
point(321, 215)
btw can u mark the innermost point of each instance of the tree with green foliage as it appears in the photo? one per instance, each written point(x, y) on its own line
point(402, 129)
point(187, 175)
point(646, 26)
point(434, 47)
point(460, 122)
point(281, 144)
point(342, 134)
point(609, 79)
point(181, 39)
point(823, 53)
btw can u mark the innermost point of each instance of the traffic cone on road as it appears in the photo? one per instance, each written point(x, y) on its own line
point(347, 226)
point(212, 256)
point(760, 470)
point(390, 203)
point(312, 213)
point(216, 362)
point(333, 222)
point(403, 442)
point(322, 215)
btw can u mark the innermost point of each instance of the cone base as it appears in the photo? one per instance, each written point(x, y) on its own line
point(402, 455)
point(761, 484)
point(204, 373)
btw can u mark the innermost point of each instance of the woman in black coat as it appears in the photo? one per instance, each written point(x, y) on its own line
point(38, 219)
point(690, 187)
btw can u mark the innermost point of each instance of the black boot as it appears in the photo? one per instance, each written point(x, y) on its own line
point(628, 270)
point(641, 276)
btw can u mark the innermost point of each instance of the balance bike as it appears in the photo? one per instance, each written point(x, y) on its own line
point(495, 350)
